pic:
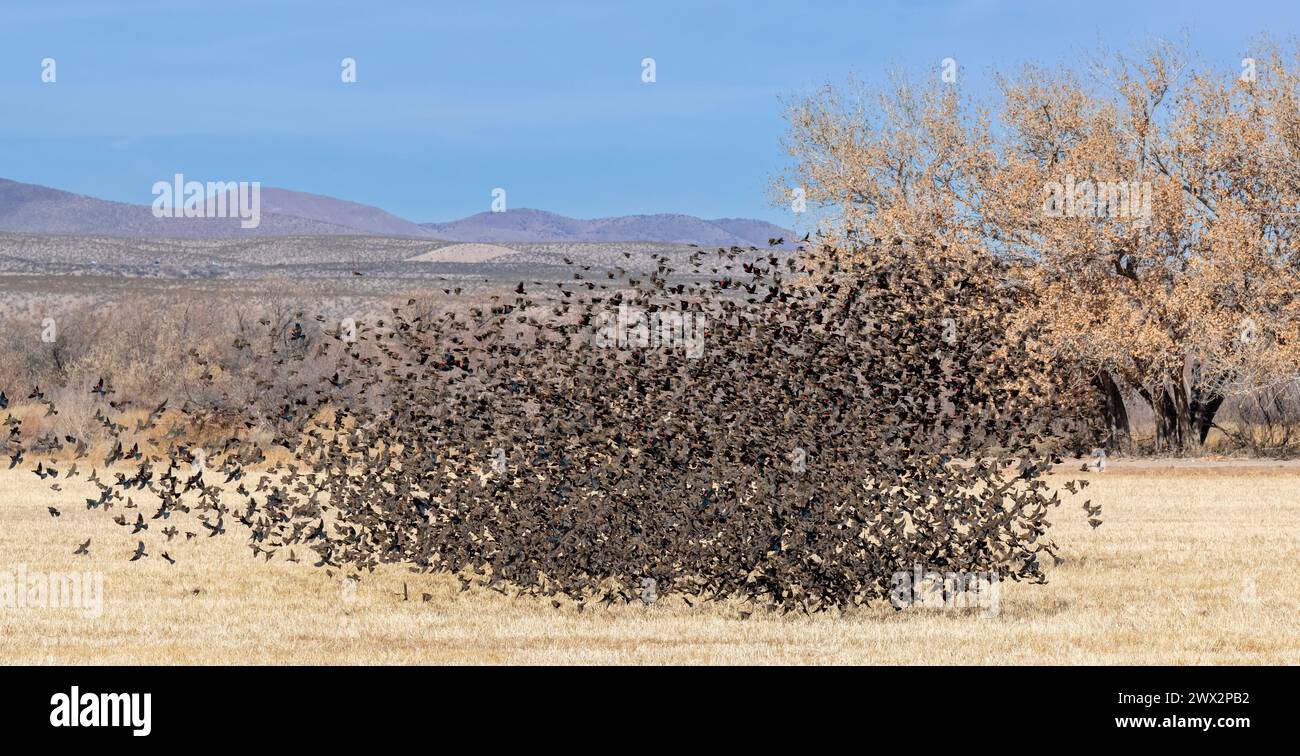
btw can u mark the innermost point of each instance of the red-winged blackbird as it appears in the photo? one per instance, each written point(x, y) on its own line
point(588, 441)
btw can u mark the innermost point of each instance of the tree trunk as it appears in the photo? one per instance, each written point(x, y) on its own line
point(1115, 414)
point(1204, 408)
point(1182, 422)
point(1170, 425)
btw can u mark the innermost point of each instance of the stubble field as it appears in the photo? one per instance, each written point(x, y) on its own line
point(1190, 567)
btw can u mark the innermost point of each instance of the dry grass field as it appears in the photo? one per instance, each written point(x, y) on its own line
point(1190, 567)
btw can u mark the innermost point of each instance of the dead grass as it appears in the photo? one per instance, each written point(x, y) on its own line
point(1193, 566)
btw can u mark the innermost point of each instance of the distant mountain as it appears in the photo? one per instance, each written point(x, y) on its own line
point(337, 212)
point(33, 209)
point(759, 231)
point(511, 226)
point(528, 225)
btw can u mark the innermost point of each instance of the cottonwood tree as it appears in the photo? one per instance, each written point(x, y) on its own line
point(1148, 211)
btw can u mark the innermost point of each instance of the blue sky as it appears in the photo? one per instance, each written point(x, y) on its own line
point(544, 99)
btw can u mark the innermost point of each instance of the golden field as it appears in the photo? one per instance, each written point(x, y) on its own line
point(1192, 566)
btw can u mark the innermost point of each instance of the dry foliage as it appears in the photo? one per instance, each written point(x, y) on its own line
point(1150, 213)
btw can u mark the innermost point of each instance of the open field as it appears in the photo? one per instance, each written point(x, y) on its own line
point(1190, 567)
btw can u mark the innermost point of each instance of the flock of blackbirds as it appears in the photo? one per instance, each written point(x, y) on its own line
point(847, 419)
